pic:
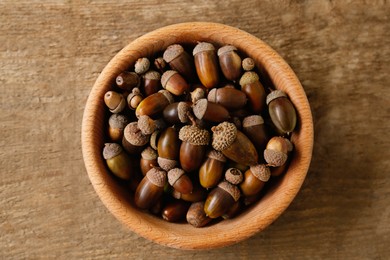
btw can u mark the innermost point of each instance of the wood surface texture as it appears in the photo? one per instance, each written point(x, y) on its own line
point(51, 53)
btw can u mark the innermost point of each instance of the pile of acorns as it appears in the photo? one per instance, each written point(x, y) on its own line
point(202, 131)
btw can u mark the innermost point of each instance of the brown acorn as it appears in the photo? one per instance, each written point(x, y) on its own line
point(134, 98)
point(128, 80)
point(276, 152)
point(157, 208)
point(205, 110)
point(198, 194)
point(168, 148)
point(180, 181)
point(172, 81)
point(211, 171)
point(116, 124)
point(254, 90)
point(228, 97)
point(277, 171)
point(154, 139)
point(151, 188)
point(148, 160)
point(133, 140)
point(253, 127)
point(221, 199)
point(233, 210)
point(254, 179)
point(180, 61)
point(119, 163)
point(151, 82)
point(142, 65)
point(196, 215)
point(233, 144)
point(177, 112)
point(175, 211)
point(206, 64)
point(115, 101)
point(230, 62)
point(281, 111)
point(193, 147)
point(154, 104)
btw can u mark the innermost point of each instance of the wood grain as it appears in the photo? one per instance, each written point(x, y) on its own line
point(51, 53)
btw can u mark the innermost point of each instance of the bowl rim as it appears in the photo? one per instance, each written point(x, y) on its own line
point(184, 236)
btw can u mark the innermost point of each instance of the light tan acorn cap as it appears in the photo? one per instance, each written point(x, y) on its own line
point(212, 96)
point(146, 124)
point(172, 52)
point(174, 175)
point(118, 121)
point(197, 94)
point(225, 49)
point(203, 46)
point(224, 135)
point(248, 64)
point(252, 121)
point(182, 109)
point(194, 135)
point(149, 154)
point(213, 154)
point(234, 176)
point(111, 150)
point(154, 139)
point(231, 189)
point(134, 136)
point(249, 77)
point(200, 108)
point(275, 158)
point(152, 74)
point(274, 95)
point(167, 95)
point(261, 172)
point(166, 76)
point(141, 65)
point(157, 177)
point(167, 164)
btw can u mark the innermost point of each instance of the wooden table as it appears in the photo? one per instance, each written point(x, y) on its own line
point(51, 52)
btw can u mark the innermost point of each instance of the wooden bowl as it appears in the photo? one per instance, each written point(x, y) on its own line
point(226, 232)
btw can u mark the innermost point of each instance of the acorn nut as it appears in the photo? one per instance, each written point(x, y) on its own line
point(180, 61)
point(198, 194)
point(154, 104)
point(212, 112)
point(116, 125)
point(148, 160)
point(175, 211)
point(248, 64)
point(151, 82)
point(115, 101)
point(146, 125)
point(276, 151)
point(118, 161)
point(177, 112)
point(221, 199)
point(134, 98)
point(168, 148)
point(277, 171)
point(281, 111)
point(160, 64)
point(134, 140)
point(196, 215)
point(172, 81)
point(211, 171)
point(150, 189)
point(206, 64)
point(253, 127)
point(180, 181)
point(254, 179)
point(228, 97)
point(230, 62)
point(128, 80)
point(254, 90)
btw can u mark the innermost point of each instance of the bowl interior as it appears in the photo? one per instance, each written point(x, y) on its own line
point(226, 232)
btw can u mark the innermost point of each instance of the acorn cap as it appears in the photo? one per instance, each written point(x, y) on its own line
point(212, 96)
point(172, 52)
point(200, 108)
point(216, 155)
point(203, 46)
point(224, 135)
point(225, 49)
point(261, 172)
point(111, 150)
point(194, 135)
point(166, 76)
point(118, 121)
point(248, 64)
point(134, 135)
point(167, 95)
point(149, 154)
point(157, 177)
point(231, 189)
point(249, 77)
point(146, 125)
point(152, 74)
point(167, 164)
point(234, 176)
point(274, 95)
point(154, 139)
point(252, 121)
point(197, 94)
point(274, 158)
point(182, 109)
point(141, 65)
point(174, 175)
point(134, 92)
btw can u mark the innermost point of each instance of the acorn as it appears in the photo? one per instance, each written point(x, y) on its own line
point(175, 211)
point(133, 140)
point(196, 215)
point(151, 188)
point(151, 82)
point(193, 147)
point(154, 104)
point(154, 139)
point(128, 80)
point(160, 64)
point(177, 112)
point(116, 124)
point(234, 176)
point(230, 62)
point(228, 97)
point(134, 98)
point(146, 125)
point(277, 171)
point(142, 65)
point(172, 81)
point(233, 144)
point(209, 111)
point(281, 111)
point(254, 179)
point(180, 181)
point(198, 194)
point(168, 148)
point(196, 94)
point(253, 127)
point(211, 171)
point(254, 90)
point(276, 151)
point(206, 64)
point(115, 101)
point(148, 160)
point(233, 210)
point(118, 161)
point(248, 64)
point(157, 208)
point(221, 199)
point(180, 61)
